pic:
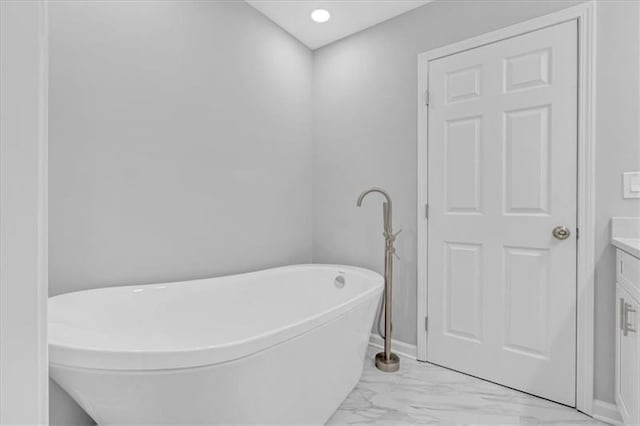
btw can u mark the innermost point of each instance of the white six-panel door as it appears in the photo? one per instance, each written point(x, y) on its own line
point(502, 165)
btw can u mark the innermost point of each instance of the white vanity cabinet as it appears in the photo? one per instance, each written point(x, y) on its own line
point(627, 339)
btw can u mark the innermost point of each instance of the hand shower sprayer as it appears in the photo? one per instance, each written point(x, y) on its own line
point(386, 361)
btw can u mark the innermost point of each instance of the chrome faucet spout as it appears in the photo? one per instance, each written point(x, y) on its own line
point(369, 191)
point(386, 208)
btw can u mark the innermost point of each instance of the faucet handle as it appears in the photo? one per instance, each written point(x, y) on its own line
point(394, 250)
point(390, 235)
point(392, 238)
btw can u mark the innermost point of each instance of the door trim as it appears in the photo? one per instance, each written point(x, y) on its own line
point(24, 364)
point(584, 14)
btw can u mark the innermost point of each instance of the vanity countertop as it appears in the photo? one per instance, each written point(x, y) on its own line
point(625, 234)
point(630, 245)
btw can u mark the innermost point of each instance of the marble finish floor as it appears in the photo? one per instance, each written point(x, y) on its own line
point(422, 393)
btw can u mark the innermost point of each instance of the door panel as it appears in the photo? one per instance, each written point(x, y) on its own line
point(462, 163)
point(526, 148)
point(527, 70)
point(502, 175)
point(526, 301)
point(464, 84)
point(463, 291)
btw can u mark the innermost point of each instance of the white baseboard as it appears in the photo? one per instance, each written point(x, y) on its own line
point(400, 348)
point(606, 412)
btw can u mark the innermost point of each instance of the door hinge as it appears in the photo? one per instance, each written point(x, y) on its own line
point(426, 97)
point(577, 233)
point(426, 323)
point(426, 211)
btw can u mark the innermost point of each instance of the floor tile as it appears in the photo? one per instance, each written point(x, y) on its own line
point(422, 393)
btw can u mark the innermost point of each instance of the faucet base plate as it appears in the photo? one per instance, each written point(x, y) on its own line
point(390, 365)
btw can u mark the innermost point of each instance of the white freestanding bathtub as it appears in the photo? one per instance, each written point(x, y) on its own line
point(280, 346)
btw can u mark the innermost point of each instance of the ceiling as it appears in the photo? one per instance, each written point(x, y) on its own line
point(347, 16)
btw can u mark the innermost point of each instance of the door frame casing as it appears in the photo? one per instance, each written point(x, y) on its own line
point(584, 14)
point(24, 374)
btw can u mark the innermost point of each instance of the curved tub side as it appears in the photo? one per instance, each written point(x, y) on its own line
point(300, 381)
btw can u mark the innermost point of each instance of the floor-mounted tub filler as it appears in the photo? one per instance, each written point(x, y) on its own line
point(386, 360)
point(280, 346)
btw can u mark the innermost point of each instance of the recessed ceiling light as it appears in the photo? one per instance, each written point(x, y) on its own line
point(320, 15)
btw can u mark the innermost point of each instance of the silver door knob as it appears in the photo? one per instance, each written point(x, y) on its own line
point(561, 232)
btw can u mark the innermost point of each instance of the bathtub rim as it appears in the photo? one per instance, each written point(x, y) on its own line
point(74, 356)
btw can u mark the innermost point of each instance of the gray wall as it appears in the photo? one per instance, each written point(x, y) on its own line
point(180, 146)
point(365, 107)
